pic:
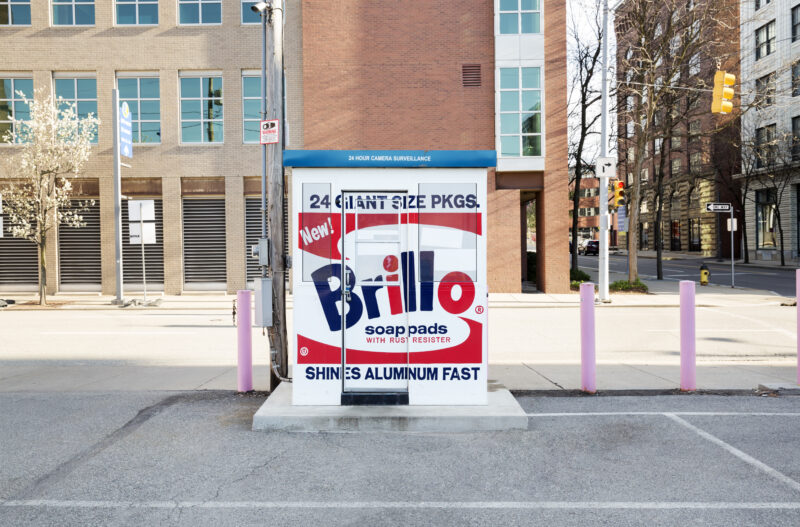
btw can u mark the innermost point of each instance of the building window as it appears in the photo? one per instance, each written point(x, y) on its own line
point(629, 130)
point(12, 105)
point(80, 93)
point(765, 90)
point(696, 162)
point(248, 15)
point(251, 108)
point(644, 175)
point(796, 138)
point(765, 40)
point(796, 79)
point(137, 12)
point(796, 23)
point(200, 12)
point(520, 112)
point(520, 16)
point(675, 167)
point(765, 145)
point(73, 12)
point(201, 110)
point(760, 3)
point(142, 96)
point(15, 12)
point(658, 142)
point(765, 219)
point(675, 142)
point(694, 64)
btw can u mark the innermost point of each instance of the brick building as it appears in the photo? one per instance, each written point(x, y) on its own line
point(427, 75)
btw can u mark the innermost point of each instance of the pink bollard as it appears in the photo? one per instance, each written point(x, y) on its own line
point(797, 297)
point(588, 363)
point(688, 341)
point(244, 333)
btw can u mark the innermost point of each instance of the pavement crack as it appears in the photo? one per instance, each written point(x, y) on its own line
point(252, 472)
point(542, 376)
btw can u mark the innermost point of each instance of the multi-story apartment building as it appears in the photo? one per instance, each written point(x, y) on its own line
point(770, 58)
point(422, 75)
point(694, 150)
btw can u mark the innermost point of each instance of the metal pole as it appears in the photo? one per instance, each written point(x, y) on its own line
point(275, 206)
point(732, 271)
point(117, 195)
point(141, 239)
point(263, 117)
point(604, 219)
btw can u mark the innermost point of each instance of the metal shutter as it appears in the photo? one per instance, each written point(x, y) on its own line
point(204, 244)
point(19, 261)
point(153, 253)
point(252, 229)
point(79, 252)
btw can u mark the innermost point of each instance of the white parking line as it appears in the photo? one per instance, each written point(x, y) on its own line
point(736, 452)
point(568, 505)
point(708, 414)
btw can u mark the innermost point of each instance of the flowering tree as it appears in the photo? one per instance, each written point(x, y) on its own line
point(54, 144)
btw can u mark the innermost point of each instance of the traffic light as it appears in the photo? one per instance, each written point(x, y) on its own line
point(721, 100)
point(619, 193)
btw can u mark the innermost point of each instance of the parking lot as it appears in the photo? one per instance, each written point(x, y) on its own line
point(189, 458)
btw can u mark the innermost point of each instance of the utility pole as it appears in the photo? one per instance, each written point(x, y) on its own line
point(272, 174)
point(117, 196)
point(603, 174)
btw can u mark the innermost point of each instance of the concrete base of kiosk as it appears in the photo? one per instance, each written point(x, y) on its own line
point(278, 414)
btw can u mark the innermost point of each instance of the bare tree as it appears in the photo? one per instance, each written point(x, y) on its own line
point(54, 144)
point(662, 41)
point(583, 96)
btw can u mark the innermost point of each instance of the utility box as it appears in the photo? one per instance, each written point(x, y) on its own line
point(390, 293)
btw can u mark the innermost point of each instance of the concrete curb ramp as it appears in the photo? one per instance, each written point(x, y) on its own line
point(278, 414)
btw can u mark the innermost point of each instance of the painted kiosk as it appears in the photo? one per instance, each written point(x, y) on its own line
point(389, 277)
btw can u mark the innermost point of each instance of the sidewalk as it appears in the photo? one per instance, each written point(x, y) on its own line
point(682, 255)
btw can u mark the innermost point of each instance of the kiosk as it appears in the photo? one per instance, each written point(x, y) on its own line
point(389, 277)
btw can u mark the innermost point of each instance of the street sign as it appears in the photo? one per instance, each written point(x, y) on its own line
point(606, 167)
point(622, 219)
point(718, 207)
point(146, 208)
point(125, 131)
point(269, 132)
point(735, 224)
point(136, 237)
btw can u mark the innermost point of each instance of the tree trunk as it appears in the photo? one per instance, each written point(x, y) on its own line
point(659, 234)
point(780, 233)
point(42, 275)
point(745, 250)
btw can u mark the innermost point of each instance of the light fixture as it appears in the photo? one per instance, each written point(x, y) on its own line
point(259, 7)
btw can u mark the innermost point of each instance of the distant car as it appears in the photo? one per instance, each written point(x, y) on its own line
point(589, 247)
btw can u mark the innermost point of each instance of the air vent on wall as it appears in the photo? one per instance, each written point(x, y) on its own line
point(470, 74)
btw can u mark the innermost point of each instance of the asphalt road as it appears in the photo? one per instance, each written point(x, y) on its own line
point(189, 458)
point(779, 281)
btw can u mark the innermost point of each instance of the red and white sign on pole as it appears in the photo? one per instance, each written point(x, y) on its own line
point(269, 132)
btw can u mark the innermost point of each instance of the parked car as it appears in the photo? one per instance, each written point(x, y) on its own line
point(589, 247)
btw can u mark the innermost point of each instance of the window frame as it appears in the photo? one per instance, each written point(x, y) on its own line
point(760, 204)
point(11, 3)
point(136, 4)
point(248, 3)
point(139, 76)
point(765, 90)
point(199, 3)
point(518, 12)
point(248, 74)
point(200, 75)
point(795, 81)
point(769, 43)
point(14, 98)
point(75, 77)
point(767, 133)
point(520, 112)
point(795, 22)
point(761, 3)
point(74, 4)
point(796, 138)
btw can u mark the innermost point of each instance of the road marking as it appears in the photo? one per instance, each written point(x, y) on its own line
point(568, 505)
point(708, 414)
point(780, 476)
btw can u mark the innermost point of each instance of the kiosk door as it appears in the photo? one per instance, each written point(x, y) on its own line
point(375, 258)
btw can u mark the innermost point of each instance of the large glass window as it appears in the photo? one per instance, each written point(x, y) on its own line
point(520, 112)
point(765, 40)
point(142, 96)
point(765, 219)
point(520, 16)
point(201, 110)
point(248, 15)
point(73, 12)
point(251, 107)
point(137, 12)
point(12, 105)
point(81, 94)
point(200, 11)
point(15, 12)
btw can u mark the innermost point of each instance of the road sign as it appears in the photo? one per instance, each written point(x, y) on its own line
point(136, 237)
point(622, 219)
point(735, 224)
point(606, 167)
point(718, 207)
point(269, 132)
point(125, 131)
point(146, 208)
